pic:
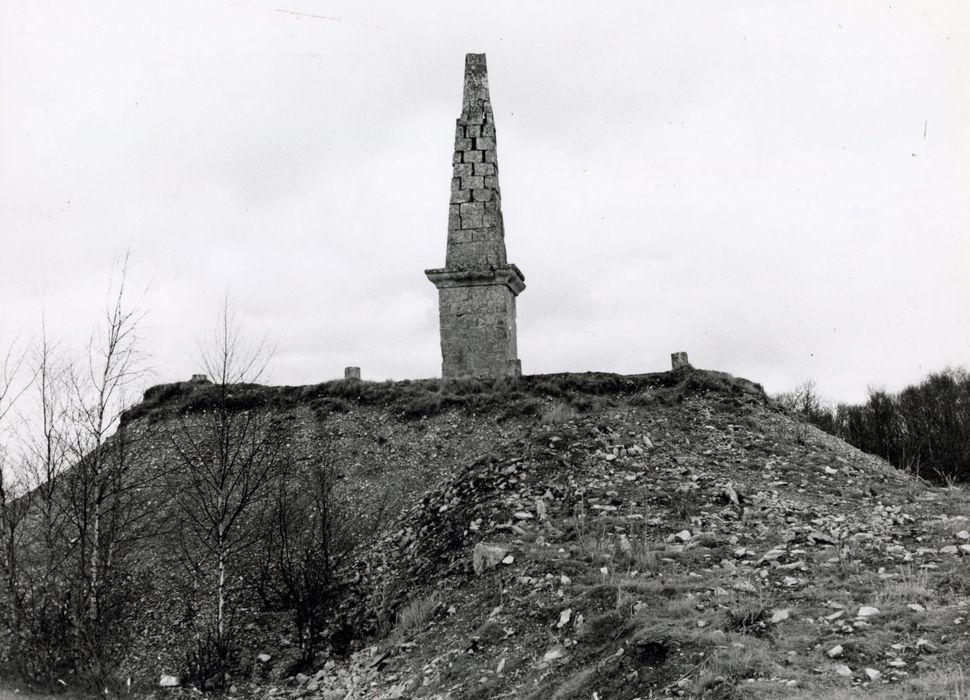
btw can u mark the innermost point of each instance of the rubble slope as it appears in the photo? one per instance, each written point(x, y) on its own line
point(685, 538)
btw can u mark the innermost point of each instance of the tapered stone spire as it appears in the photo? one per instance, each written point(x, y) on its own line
point(477, 287)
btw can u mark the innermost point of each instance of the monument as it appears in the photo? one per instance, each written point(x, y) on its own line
point(477, 286)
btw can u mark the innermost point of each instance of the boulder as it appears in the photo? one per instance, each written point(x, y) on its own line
point(167, 681)
point(487, 556)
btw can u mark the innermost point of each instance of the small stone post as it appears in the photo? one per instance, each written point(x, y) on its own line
point(351, 372)
point(678, 360)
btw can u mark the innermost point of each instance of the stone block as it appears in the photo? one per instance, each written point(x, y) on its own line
point(483, 195)
point(679, 360)
point(463, 144)
point(489, 156)
point(351, 372)
point(472, 183)
point(465, 169)
point(458, 237)
point(485, 144)
point(454, 218)
point(473, 131)
point(491, 182)
point(484, 169)
point(473, 209)
point(456, 158)
point(460, 131)
point(488, 130)
point(472, 221)
point(472, 157)
point(460, 196)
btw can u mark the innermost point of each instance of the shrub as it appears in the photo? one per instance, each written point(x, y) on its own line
point(422, 405)
point(209, 658)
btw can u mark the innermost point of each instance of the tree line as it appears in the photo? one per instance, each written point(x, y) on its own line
point(84, 518)
point(924, 429)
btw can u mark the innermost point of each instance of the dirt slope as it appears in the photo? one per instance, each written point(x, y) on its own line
point(682, 537)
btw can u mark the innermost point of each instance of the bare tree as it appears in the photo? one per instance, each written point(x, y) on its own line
point(40, 633)
point(102, 487)
point(312, 536)
point(47, 453)
point(14, 496)
point(313, 533)
point(229, 455)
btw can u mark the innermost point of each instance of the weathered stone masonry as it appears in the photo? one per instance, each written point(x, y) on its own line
point(477, 287)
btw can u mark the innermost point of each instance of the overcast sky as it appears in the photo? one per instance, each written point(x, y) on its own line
point(778, 188)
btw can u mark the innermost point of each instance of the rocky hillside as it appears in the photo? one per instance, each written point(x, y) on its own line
point(680, 537)
point(595, 536)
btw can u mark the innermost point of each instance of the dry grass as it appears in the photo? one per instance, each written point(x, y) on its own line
point(733, 663)
point(911, 586)
point(943, 684)
point(414, 616)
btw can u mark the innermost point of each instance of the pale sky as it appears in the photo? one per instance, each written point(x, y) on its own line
point(778, 188)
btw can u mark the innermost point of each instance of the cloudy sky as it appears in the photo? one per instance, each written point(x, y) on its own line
point(780, 189)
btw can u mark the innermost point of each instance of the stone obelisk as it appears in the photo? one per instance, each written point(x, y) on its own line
point(477, 287)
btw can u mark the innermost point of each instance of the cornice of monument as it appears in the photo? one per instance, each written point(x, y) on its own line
point(509, 275)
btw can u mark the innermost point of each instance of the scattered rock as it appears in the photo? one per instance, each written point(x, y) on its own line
point(487, 556)
point(779, 616)
point(564, 617)
point(167, 681)
point(872, 674)
point(557, 652)
point(843, 670)
point(626, 548)
point(867, 611)
point(835, 652)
